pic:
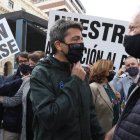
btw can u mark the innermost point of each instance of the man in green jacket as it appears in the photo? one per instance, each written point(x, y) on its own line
point(60, 93)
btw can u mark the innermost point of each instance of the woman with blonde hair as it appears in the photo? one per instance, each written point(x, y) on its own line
point(105, 97)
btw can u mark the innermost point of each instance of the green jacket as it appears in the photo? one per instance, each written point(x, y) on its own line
point(62, 104)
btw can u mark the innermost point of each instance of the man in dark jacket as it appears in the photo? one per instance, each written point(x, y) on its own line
point(60, 93)
point(5, 89)
point(12, 116)
point(128, 126)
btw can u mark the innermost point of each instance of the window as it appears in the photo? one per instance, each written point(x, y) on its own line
point(11, 4)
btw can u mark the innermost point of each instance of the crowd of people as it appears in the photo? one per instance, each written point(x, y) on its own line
point(53, 97)
point(16, 110)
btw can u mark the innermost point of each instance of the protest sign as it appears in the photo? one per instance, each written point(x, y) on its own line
point(8, 45)
point(103, 37)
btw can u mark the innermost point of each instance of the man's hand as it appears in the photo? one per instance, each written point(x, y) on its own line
point(1, 99)
point(121, 71)
point(118, 95)
point(79, 71)
point(25, 77)
point(110, 134)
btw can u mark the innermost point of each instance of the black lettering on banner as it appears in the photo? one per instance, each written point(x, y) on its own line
point(119, 31)
point(3, 32)
point(57, 17)
point(106, 29)
point(99, 55)
point(84, 27)
point(4, 50)
point(109, 56)
point(92, 55)
point(88, 54)
point(122, 60)
point(84, 59)
point(114, 56)
point(75, 19)
point(92, 27)
point(63, 17)
point(11, 45)
point(113, 60)
point(48, 48)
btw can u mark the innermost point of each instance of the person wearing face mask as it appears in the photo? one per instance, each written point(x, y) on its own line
point(128, 125)
point(12, 116)
point(105, 98)
point(60, 93)
point(130, 75)
point(22, 95)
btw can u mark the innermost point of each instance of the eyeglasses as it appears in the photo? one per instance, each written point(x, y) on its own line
point(22, 61)
point(132, 28)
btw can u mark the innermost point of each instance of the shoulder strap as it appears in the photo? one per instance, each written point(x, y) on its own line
point(132, 87)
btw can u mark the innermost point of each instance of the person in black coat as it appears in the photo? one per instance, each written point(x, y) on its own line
point(6, 88)
point(128, 125)
point(12, 116)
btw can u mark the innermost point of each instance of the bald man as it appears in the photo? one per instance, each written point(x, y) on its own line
point(124, 79)
point(128, 126)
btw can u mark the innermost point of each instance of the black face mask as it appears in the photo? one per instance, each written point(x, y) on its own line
point(75, 52)
point(111, 76)
point(31, 68)
point(132, 45)
point(24, 69)
point(133, 71)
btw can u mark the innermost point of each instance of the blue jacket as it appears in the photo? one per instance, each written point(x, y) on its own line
point(12, 116)
point(7, 87)
point(128, 126)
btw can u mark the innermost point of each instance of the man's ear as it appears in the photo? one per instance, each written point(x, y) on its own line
point(57, 45)
point(139, 65)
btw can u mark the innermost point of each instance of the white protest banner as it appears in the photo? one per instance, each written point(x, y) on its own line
point(8, 45)
point(103, 37)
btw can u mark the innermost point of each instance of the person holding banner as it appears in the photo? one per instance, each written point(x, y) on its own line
point(60, 93)
point(128, 125)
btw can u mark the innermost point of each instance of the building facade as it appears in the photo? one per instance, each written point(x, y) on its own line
point(74, 6)
point(6, 6)
point(16, 5)
point(38, 8)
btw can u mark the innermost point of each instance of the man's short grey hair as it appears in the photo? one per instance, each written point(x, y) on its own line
point(59, 30)
point(131, 57)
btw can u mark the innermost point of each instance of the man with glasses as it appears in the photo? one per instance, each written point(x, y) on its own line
point(128, 126)
point(12, 116)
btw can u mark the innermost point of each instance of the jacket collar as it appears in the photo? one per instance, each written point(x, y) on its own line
point(104, 96)
point(50, 61)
